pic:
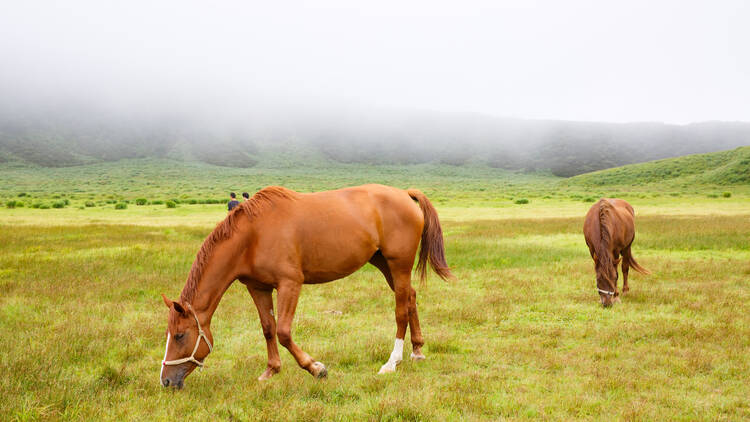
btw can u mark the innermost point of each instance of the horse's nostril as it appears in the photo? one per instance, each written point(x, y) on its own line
point(165, 382)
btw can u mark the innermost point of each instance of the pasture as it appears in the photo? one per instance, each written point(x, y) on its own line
point(518, 335)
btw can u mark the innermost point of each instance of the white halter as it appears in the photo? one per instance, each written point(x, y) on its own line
point(191, 358)
point(606, 292)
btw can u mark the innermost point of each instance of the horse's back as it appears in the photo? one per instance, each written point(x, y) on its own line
point(336, 232)
point(622, 205)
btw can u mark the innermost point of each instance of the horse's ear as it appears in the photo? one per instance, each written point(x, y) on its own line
point(166, 301)
point(179, 308)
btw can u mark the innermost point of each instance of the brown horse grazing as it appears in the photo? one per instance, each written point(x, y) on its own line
point(281, 239)
point(609, 231)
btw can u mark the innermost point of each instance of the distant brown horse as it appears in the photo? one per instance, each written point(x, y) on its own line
point(281, 239)
point(609, 231)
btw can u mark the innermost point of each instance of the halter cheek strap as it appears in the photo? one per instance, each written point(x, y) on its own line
point(191, 358)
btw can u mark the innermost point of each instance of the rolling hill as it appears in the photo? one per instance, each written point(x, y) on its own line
point(730, 167)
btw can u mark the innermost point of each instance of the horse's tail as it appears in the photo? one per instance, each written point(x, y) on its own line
point(432, 248)
point(634, 265)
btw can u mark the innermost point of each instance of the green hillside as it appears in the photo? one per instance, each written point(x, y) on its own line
point(717, 168)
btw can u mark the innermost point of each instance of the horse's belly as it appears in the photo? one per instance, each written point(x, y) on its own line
point(338, 241)
point(335, 264)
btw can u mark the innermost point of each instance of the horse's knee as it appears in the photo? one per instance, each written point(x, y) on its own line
point(268, 332)
point(285, 337)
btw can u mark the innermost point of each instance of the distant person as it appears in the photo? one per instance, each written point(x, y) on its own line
point(233, 202)
point(246, 196)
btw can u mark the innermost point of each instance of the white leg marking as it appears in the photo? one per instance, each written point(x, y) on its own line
point(165, 358)
point(396, 356)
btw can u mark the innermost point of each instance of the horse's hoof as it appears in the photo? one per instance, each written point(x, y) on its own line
point(319, 370)
point(268, 373)
point(418, 357)
point(387, 368)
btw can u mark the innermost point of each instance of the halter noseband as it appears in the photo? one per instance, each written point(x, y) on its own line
point(191, 358)
point(606, 292)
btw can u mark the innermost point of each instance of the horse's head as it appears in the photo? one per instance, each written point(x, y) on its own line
point(187, 344)
point(606, 282)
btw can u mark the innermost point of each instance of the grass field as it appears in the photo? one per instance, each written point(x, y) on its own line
point(518, 335)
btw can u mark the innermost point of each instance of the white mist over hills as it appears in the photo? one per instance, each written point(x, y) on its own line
point(515, 84)
point(82, 135)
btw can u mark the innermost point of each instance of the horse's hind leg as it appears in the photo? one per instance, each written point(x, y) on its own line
point(264, 302)
point(379, 261)
point(415, 332)
point(401, 272)
point(288, 294)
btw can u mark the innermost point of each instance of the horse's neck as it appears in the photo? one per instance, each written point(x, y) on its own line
point(218, 275)
point(206, 301)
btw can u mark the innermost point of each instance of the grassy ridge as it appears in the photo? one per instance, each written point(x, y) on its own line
point(717, 168)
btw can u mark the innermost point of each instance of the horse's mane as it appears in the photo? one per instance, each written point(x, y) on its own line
point(226, 228)
point(602, 248)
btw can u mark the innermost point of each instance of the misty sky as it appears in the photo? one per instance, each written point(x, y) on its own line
point(672, 61)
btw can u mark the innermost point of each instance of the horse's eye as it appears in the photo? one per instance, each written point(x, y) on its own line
point(179, 336)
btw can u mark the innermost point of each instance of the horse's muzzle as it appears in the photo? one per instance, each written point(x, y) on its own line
point(166, 382)
point(176, 379)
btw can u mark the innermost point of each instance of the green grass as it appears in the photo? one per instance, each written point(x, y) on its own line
point(518, 335)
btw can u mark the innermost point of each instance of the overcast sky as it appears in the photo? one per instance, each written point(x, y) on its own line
point(672, 61)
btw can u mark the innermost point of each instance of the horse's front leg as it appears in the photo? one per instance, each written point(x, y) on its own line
point(625, 269)
point(288, 294)
point(618, 259)
point(264, 302)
